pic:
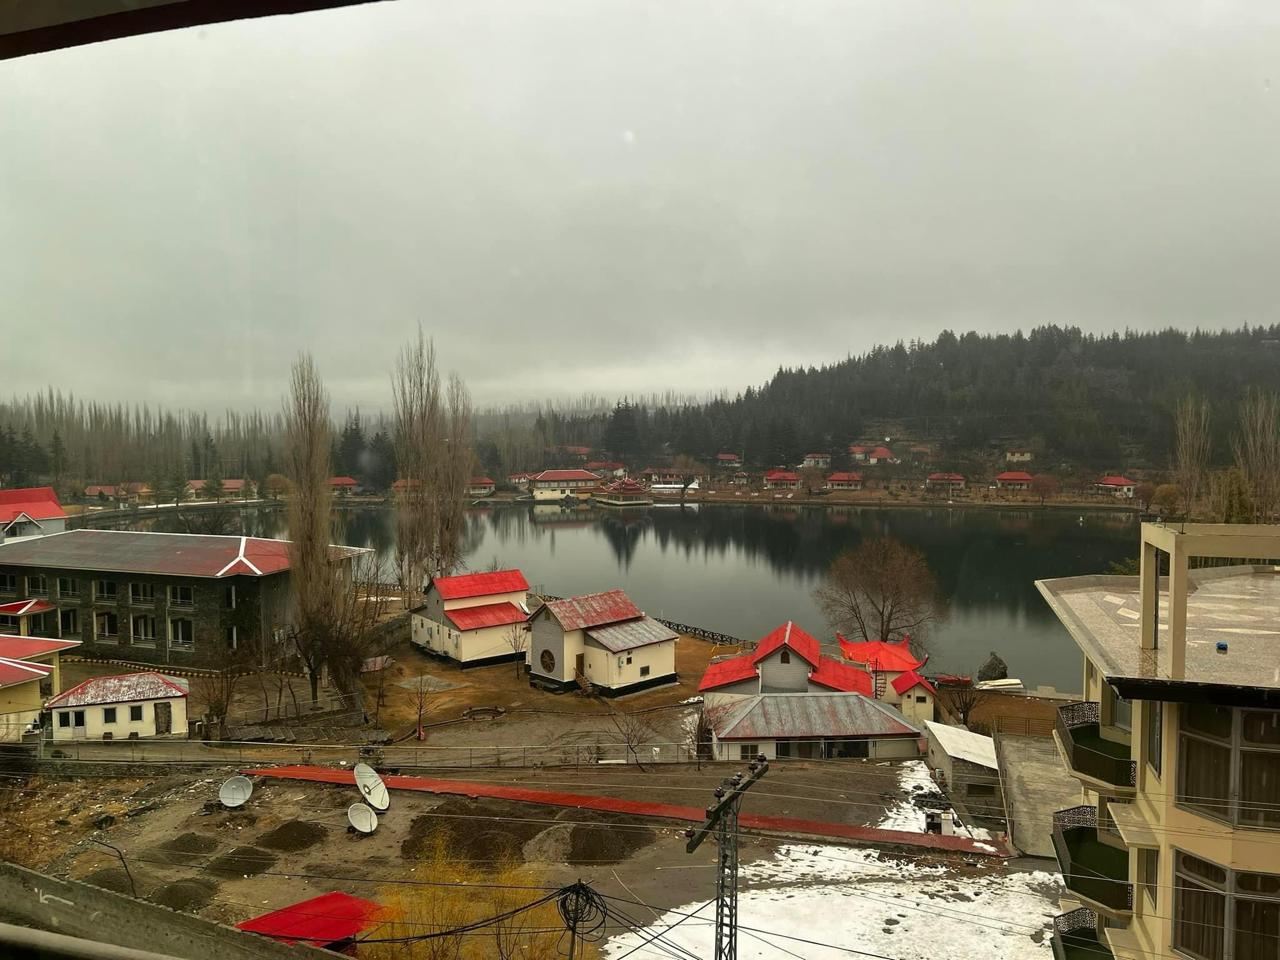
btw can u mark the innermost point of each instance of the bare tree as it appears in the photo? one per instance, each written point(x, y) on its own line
point(311, 574)
point(1044, 486)
point(961, 700)
point(882, 590)
point(217, 691)
point(689, 470)
point(1191, 453)
point(1257, 451)
point(357, 606)
point(421, 694)
point(634, 730)
point(517, 638)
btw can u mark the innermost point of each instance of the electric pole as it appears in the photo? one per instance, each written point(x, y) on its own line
point(722, 817)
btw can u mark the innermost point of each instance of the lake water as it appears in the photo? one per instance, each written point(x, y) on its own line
point(743, 570)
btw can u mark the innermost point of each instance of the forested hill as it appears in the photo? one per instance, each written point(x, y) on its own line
point(1098, 401)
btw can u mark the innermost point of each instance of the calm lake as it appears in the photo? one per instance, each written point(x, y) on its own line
point(743, 570)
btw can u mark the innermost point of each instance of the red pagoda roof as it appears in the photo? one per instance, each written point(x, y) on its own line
point(881, 654)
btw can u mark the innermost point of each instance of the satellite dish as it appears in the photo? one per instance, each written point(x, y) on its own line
point(362, 818)
point(235, 792)
point(371, 787)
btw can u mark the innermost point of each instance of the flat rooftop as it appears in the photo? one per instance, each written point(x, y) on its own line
point(1238, 605)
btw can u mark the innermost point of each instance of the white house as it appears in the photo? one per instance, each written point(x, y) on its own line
point(895, 679)
point(781, 480)
point(1014, 480)
point(1116, 486)
point(844, 480)
point(1018, 456)
point(480, 487)
point(122, 707)
point(602, 638)
point(474, 618)
point(821, 460)
point(964, 765)
point(563, 484)
point(817, 726)
point(30, 512)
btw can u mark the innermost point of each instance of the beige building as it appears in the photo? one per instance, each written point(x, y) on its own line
point(30, 671)
point(1174, 848)
point(126, 706)
point(474, 619)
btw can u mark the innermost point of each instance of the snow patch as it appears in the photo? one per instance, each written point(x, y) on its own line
point(913, 780)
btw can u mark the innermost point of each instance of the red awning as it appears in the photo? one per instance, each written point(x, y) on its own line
point(320, 922)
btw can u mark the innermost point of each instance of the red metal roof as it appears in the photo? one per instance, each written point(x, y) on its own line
point(593, 610)
point(947, 477)
point(881, 453)
point(724, 672)
point(38, 503)
point(330, 918)
point(1013, 476)
point(845, 476)
point(626, 485)
point(791, 636)
point(24, 648)
point(486, 615)
point(14, 672)
point(845, 677)
point(881, 655)
point(781, 475)
point(817, 456)
point(481, 482)
point(1114, 481)
point(343, 482)
point(770, 716)
point(479, 584)
point(728, 456)
point(857, 448)
point(552, 475)
point(119, 688)
point(905, 681)
point(228, 486)
point(25, 608)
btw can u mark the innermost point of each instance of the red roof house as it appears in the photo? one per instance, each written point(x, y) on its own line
point(1013, 480)
point(844, 480)
point(469, 618)
point(343, 483)
point(758, 665)
point(467, 585)
point(910, 680)
point(25, 511)
point(781, 480)
point(1116, 485)
point(948, 480)
point(728, 459)
point(331, 921)
point(119, 688)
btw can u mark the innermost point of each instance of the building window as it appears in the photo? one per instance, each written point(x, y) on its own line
point(1155, 734)
point(181, 632)
point(922, 699)
point(785, 657)
point(144, 629)
point(232, 638)
point(1221, 914)
point(1149, 875)
point(8, 624)
point(628, 660)
point(142, 594)
point(69, 621)
point(644, 671)
point(105, 590)
point(135, 713)
point(229, 596)
point(1229, 764)
point(747, 751)
point(68, 588)
point(106, 625)
point(108, 714)
point(64, 718)
point(181, 597)
point(37, 586)
point(8, 583)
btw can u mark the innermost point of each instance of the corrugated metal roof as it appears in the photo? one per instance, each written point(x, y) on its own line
point(330, 918)
point(468, 585)
point(163, 554)
point(905, 681)
point(721, 673)
point(24, 648)
point(769, 716)
point(554, 475)
point(486, 615)
point(38, 503)
point(617, 637)
point(593, 610)
point(25, 608)
point(14, 672)
point(835, 675)
point(120, 688)
point(964, 744)
point(792, 636)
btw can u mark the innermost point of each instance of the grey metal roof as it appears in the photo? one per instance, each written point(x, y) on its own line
point(617, 637)
point(770, 716)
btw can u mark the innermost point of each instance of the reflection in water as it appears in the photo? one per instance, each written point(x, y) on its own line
point(743, 570)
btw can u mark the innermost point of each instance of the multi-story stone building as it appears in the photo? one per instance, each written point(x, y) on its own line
point(162, 598)
point(1174, 848)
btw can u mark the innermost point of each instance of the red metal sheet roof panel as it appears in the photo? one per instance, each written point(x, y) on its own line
point(25, 608)
point(38, 503)
point(466, 585)
point(327, 919)
point(554, 475)
point(486, 615)
point(24, 648)
point(120, 688)
point(15, 672)
point(845, 677)
point(792, 636)
point(1115, 481)
point(1013, 476)
point(906, 681)
point(593, 610)
point(722, 673)
point(879, 655)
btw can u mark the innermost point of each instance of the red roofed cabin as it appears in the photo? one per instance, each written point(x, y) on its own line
point(946, 482)
point(844, 480)
point(125, 706)
point(880, 455)
point(603, 639)
point(781, 480)
point(893, 670)
point(1116, 486)
point(343, 486)
point(470, 618)
point(608, 468)
point(787, 660)
point(232, 489)
point(331, 921)
point(30, 512)
point(480, 487)
point(728, 461)
point(563, 485)
point(1013, 480)
point(30, 671)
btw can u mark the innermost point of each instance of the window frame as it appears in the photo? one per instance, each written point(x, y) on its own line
point(142, 593)
point(1229, 811)
point(71, 591)
point(101, 636)
point(8, 582)
point(108, 715)
point(1231, 892)
point(42, 590)
point(101, 595)
point(74, 614)
point(135, 713)
point(178, 643)
point(174, 591)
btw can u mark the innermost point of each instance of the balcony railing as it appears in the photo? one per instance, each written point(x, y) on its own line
point(1091, 869)
point(1075, 936)
point(1089, 753)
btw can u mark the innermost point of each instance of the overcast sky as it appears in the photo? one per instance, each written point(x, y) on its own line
point(626, 196)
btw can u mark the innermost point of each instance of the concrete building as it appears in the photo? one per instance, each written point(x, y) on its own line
point(1018, 456)
point(781, 480)
point(819, 460)
point(964, 766)
point(728, 461)
point(1116, 486)
point(602, 638)
point(343, 486)
point(945, 482)
point(844, 480)
point(30, 671)
point(1016, 480)
point(480, 487)
point(124, 707)
point(894, 673)
point(810, 726)
point(30, 512)
point(610, 469)
point(1171, 850)
point(563, 484)
point(160, 598)
point(880, 455)
point(474, 618)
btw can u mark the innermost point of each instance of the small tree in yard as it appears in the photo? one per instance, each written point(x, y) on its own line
point(634, 730)
point(517, 638)
point(421, 695)
point(689, 470)
point(961, 700)
point(1166, 498)
point(881, 590)
point(812, 479)
point(1044, 486)
point(1145, 493)
point(217, 690)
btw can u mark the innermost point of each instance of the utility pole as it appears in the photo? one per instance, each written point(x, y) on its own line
point(722, 817)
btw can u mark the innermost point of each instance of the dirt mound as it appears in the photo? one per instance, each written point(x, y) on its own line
point(189, 848)
point(188, 895)
point(292, 836)
point(242, 861)
point(476, 829)
point(550, 846)
point(112, 878)
point(604, 837)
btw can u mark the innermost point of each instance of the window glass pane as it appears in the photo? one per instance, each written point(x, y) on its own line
point(1260, 789)
point(1204, 776)
point(1261, 726)
point(1264, 883)
point(1202, 869)
point(1207, 719)
point(1199, 919)
point(1257, 934)
point(1155, 734)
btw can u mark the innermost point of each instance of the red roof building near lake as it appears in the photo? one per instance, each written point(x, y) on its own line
point(792, 636)
point(880, 453)
point(480, 584)
point(36, 503)
point(553, 475)
point(331, 920)
point(1115, 480)
point(343, 483)
point(950, 478)
point(121, 688)
point(593, 610)
point(1013, 476)
point(826, 672)
point(880, 654)
point(906, 681)
point(486, 615)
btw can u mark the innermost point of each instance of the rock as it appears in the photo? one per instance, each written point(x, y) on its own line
point(993, 669)
point(103, 821)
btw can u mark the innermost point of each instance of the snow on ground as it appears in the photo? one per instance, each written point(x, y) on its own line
point(913, 779)
point(828, 900)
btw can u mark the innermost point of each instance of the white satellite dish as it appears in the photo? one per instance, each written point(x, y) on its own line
point(362, 818)
point(371, 787)
point(235, 792)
